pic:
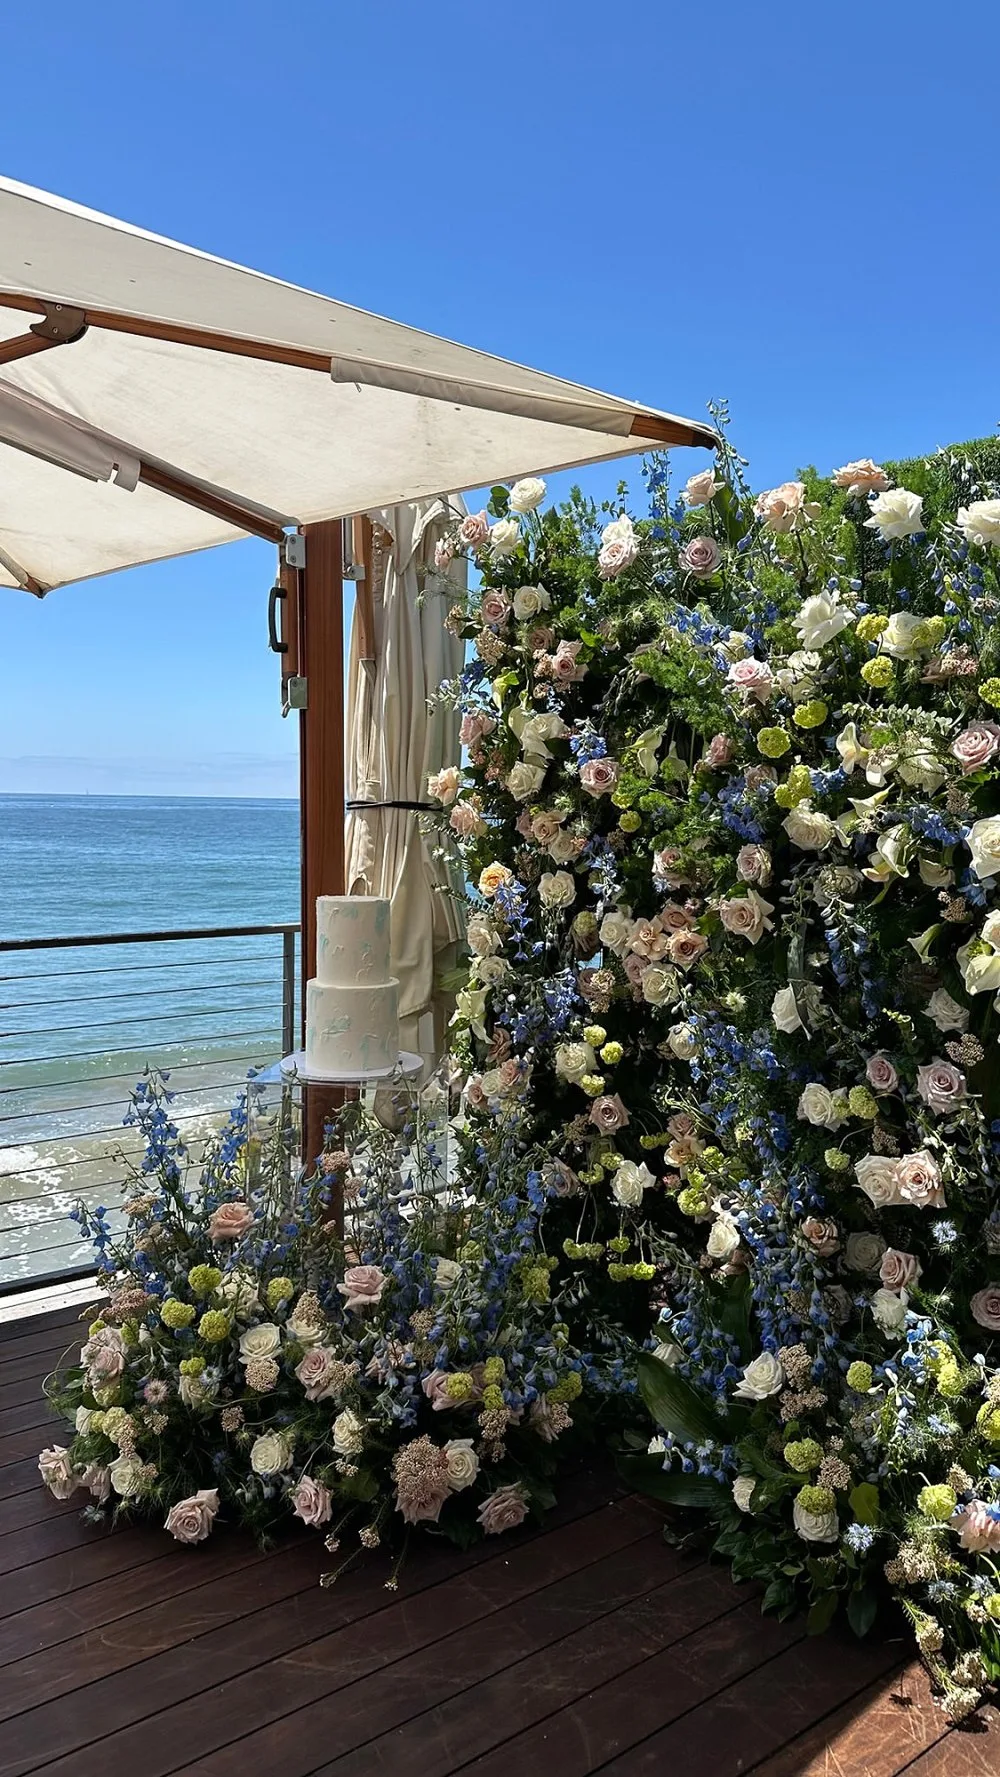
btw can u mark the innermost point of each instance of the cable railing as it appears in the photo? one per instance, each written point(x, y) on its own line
point(81, 1018)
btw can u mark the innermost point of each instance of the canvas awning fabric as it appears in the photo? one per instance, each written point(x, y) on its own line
point(191, 401)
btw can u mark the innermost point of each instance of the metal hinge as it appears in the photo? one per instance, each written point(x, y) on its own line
point(295, 694)
point(295, 550)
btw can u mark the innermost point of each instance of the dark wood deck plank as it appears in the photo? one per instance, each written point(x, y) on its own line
point(49, 1320)
point(970, 1751)
point(552, 1676)
point(373, 1630)
point(876, 1734)
point(755, 1717)
point(34, 1506)
point(25, 1405)
point(34, 1366)
point(52, 1536)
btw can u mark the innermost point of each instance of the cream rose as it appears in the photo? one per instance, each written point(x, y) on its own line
point(895, 513)
point(815, 1527)
point(270, 1454)
point(629, 1183)
point(565, 848)
point(762, 1377)
point(190, 1520)
point(463, 1463)
point(505, 537)
point(945, 1012)
point(977, 745)
point(260, 1341)
point(918, 1180)
point(445, 785)
point(826, 1109)
point(979, 522)
point(877, 1177)
point(723, 1239)
point(556, 889)
point(616, 930)
point(529, 601)
point(481, 937)
point(747, 916)
point(348, 1433)
point(809, 828)
point(525, 780)
point(127, 1476)
point(659, 985)
point(863, 1252)
point(785, 1011)
point(983, 841)
point(901, 636)
point(682, 1041)
point(889, 1311)
point(619, 548)
point(820, 620)
point(527, 495)
point(785, 508)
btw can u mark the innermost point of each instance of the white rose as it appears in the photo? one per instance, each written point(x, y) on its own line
point(682, 1041)
point(505, 537)
point(896, 513)
point(525, 780)
point(556, 889)
point(260, 1341)
point(785, 1011)
point(984, 843)
point(126, 1475)
point(529, 600)
point(194, 1391)
point(820, 619)
point(463, 1463)
point(616, 930)
point(743, 1491)
point(863, 1252)
point(815, 1527)
point(897, 638)
point(763, 1376)
point(877, 1177)
point(348, 1435)
point(491, 970)
point(820, 1106)
point(535, 731)
point(573, 1060)
point(808, 828)
point(945, 1012)
point(55, 1465)
point(979, 522)
point(723, 1239)
point(446, 1273)
point(889, 1311)
point(238, 1292)
point(82, 1420)
point(445, 785)
point(270, 1454)
point(527, 495)
point(629, 1183)
point(659, 985)
point(701, 489)
point(481, 937)
point(564, 847)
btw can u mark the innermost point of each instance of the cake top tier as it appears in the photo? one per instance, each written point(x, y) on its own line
point(352, 940)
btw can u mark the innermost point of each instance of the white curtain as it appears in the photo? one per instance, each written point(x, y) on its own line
point(393, 743)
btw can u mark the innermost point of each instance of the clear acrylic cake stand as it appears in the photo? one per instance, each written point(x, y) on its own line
point(293, 1068)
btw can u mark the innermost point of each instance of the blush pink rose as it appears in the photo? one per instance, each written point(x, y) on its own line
point(978, 1530)
point(565, 667)
point(985, 1306)
point(466, 820)
point(317, 1371)
point(504, 1510)
point(823, 1236)
point(701, 556)
point(976, 745)
point(881, 1075)
point(898, 1270)
point(495, 607)
point(362, 1286)
point(191, 1519)
point(940, 1085)
point(311, 1502)
point(444, 553)
point(862, 477)
point(718, 752)
point(97, 1480)
point(57, 1471)
point(475, 726)
point(918, 1180)
point(608, 1114)
point(474, 530)
point(230, 1221)
point(435, 1387)
point(752, 676)
point(674, 918)
point(635, 967)
point(753, 864)
point(599, 776)
point(104, 1356)
point(686, 948)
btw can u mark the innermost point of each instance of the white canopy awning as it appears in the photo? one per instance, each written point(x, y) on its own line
point(156, 400)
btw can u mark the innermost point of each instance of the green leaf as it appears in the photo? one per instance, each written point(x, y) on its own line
point(865, 1502)
point(646, 1474)
point(734, 1310)
point(862, 1608)
point(499, 501)
point(822, 1614)
point(676, 1406)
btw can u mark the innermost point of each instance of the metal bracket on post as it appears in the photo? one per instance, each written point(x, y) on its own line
point(295, 550)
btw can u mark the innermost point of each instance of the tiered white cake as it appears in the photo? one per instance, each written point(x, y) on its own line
point(352, 1006)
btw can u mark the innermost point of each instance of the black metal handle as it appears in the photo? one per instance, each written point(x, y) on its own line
point(274, 642)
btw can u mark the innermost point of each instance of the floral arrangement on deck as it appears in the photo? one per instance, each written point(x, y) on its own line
point(250, 1364)
point(731, 804)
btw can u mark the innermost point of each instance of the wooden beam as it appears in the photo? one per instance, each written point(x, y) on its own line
point(230, 510)
point(24, 346)
point(321, 662)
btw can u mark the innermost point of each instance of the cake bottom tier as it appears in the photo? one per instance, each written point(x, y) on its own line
point(352, 1030)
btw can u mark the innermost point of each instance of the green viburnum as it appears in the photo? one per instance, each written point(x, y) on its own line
point(878, 673)
point(203, 1279)
point(818, 1500)
point(870, 627)
point(214, 1326)
point(837, 1160)
point(989, 691)
point(280, 1289)
point(810, 715)
point(937, 1503)
point(177, 1315)
point(860, 1376)
point(803, 1455)
point(611, 1054)
point(773, 742)
point(862, 1103)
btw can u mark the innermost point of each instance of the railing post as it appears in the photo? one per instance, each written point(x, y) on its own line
point(288, 992)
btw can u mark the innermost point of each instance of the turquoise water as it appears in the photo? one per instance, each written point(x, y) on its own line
point(78, 1025)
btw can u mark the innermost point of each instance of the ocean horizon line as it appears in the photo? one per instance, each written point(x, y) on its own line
point(133, 796)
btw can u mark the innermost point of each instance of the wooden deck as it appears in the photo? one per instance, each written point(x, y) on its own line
point(589, 1646)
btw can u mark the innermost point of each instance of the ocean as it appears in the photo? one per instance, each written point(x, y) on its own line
point(77, 1026)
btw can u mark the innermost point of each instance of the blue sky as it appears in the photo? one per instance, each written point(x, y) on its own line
point(797, 210)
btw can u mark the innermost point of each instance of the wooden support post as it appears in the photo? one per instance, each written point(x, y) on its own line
point(322, 744)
